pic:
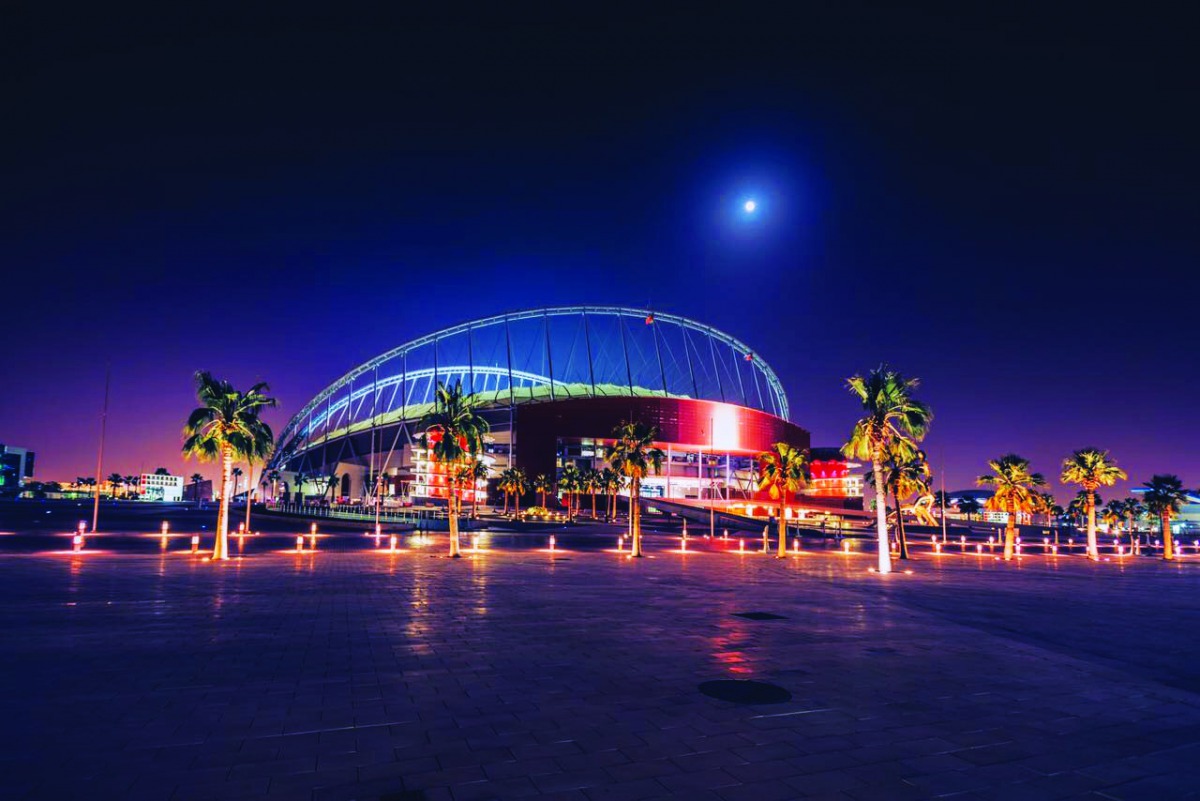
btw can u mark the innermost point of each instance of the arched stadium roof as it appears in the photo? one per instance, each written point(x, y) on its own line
point(541, 355)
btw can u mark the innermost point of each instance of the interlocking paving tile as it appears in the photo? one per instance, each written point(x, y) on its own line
point(349, 675)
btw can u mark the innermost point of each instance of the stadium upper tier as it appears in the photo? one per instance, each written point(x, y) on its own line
point(541, 355)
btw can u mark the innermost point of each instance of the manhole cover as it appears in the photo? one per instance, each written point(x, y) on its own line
point(405, 795)
point(745, 692)
point(759, 616)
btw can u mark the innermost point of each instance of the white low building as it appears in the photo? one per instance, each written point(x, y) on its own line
point(157, 487)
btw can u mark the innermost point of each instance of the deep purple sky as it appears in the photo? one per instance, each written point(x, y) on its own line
point(1004, 204)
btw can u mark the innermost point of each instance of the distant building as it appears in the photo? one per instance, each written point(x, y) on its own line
point(157, 487)
point(16, 467)
point(833, 476)
point(198, 491)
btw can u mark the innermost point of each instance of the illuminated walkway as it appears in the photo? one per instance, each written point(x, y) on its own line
point(360, 675)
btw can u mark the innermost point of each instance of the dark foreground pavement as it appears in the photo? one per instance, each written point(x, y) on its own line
point(358, 675)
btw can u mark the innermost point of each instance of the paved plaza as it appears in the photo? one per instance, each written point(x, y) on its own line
point(517, 674)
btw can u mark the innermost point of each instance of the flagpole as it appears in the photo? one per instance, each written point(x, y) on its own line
point(100, 454)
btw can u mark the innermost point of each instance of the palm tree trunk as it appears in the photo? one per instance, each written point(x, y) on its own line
point(506, 502)
point(782, 552)
point(1168, 541)
point(901, 538)
point(452, 509)
point(635, 516)
point(249, 484)
point(1010, 534)
point(885, 551)
point(593, 504)
point(517, 502)
point(221, 545)
point(1093, 550)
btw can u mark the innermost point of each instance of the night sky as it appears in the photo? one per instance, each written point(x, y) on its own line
point(1003, 203)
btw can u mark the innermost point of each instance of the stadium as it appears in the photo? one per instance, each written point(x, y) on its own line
point(552, 383)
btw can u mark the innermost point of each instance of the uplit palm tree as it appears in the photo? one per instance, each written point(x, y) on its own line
point(633, 455)
point(454, 433)
point(237, 474)
point(905, 472)
point(1091, 468)
point(570, 481)
point(1047, 506)
point(115, 480)
point(1164, 497)
point(515, 482)
point(782, 470)
point(969, 505)
point(479, 472)
point(1014, 491)
point(541, 485)
point(592, 484)
point(226, 426)
point(893, 421)
point(272, 477)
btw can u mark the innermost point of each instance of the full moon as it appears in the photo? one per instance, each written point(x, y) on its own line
point(749, 206)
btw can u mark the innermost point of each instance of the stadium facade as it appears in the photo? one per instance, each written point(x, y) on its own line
point(553, 383)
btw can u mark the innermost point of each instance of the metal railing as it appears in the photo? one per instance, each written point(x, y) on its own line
point(360, 513)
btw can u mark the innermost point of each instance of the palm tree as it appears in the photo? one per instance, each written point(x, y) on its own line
point(592, 485)
point(1113, 515)
point(782, 470)
point(1047, 506)
point(1077, 509)
point(332, 482)
point(302, 478)
point(161, 471)
point(454, 433)
point(272, 477)
point(611, 481)
point(905, 471)
point(1091, 468)
point(968, 506)
point(893, 421)
point(236, 473)
point(1132, 509)
point(520, 487)
point(226, 426)
point(570, 481)
point(1015, 491)
point(115, 480)
point(505, 484)
point(633, 455)
point(197, 479)
point(479, 472)
point(1164, 497)
point(542, 485)
point(131, 482)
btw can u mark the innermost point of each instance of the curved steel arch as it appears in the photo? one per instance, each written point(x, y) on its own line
point(326, 395)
